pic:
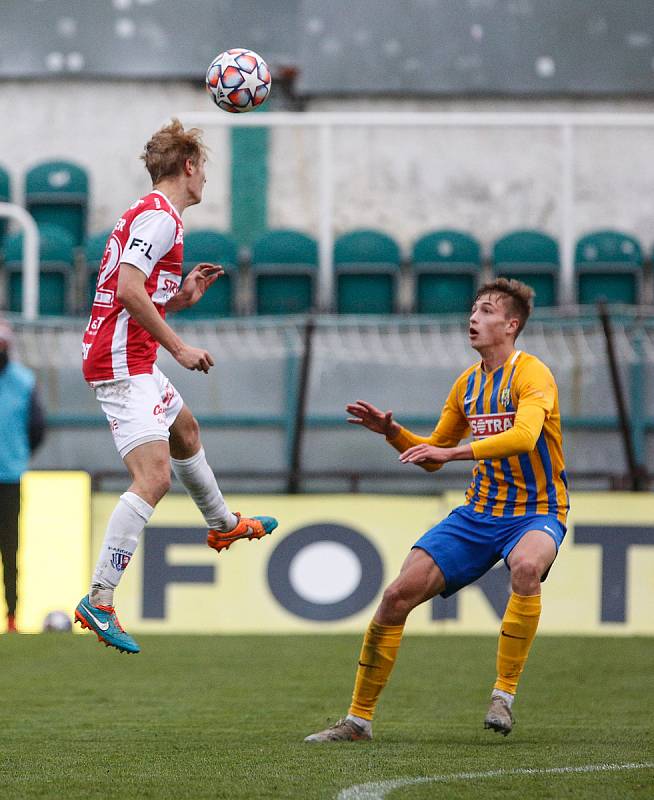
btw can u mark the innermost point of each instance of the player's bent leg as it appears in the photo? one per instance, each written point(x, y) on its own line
point(149, 466)
point(529, 561)
point(419, 580)
point(150, 469)
point(184, 435)
point(192, 469)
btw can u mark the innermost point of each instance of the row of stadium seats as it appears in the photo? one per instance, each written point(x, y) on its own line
point(56, 193)
point(279, 274)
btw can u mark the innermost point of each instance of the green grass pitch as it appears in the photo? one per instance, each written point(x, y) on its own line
point(224, 717)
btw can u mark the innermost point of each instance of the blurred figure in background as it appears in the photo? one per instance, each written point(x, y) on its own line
point(22, 427)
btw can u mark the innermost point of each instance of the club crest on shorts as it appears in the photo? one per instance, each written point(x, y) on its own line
point(119, 561)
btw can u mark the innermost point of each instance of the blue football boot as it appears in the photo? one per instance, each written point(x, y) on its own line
point(102, 620)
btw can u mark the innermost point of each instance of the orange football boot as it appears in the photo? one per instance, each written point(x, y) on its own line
point(247, 528)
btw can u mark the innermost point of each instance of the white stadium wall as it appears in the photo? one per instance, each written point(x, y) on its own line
point(402, 181)
point(103, 127)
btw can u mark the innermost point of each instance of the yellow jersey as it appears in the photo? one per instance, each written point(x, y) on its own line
point(512, 414)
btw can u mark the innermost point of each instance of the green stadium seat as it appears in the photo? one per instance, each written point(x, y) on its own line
point(56, 255)
point(532, 257)
point(367, 271)
point(93, 253)
point(56, 192)
point(284, 266)
point(212, 247)
point(446, 265)
point(5, 197)
point(608, 265)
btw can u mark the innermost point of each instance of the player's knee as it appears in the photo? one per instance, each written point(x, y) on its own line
point(393, 601)
point(525, 573)
point(160, 481)
point(186, 439)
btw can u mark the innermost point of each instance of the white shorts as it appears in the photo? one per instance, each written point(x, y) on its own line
point(139, 409)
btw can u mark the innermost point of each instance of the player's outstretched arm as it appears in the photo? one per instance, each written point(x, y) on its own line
point(370, 417)
point(424, 454)
point(132, 294)
point(195, 285)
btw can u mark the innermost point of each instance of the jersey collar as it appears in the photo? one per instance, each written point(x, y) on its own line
point(157, 191)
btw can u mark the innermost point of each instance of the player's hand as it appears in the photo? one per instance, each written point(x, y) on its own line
point(367, 415)
point(197, 282)
point(426, 454)
point(195, 358)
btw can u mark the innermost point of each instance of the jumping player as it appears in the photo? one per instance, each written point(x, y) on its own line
point(140, 279)
point(515, 508)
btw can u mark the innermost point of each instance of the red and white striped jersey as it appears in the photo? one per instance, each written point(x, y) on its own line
point(150, 236)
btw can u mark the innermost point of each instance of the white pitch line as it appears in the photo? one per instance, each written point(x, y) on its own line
point(379, 789)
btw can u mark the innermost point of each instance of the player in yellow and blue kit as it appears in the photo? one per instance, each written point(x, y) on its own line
point(515, 507)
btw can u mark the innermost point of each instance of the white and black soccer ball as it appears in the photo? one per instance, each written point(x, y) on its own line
point(238, 80)
point(57, 622)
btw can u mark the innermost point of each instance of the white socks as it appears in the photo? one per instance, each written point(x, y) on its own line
point(504, 695)
point(199, 481)
point(366, 724)
point(132, 514)
point(121, 538)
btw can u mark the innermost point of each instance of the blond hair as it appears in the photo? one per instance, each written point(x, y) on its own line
point(518, 296)
point(169, 148)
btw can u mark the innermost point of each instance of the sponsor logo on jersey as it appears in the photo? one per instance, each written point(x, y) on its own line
point(143, 246)
point(94, 325)
point(179, 239)
point(168, 395)
point(483, 425)
point(159, 413)
point(120, 225)
point(86, 346)
point(104, 297)
point(167, 287)
point(111, 260)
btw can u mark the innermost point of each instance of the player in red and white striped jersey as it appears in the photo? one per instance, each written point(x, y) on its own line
point(139, 281)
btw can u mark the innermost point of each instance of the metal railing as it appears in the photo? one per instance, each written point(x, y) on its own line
point(573, 342)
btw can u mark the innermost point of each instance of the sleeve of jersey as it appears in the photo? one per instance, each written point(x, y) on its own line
point(151, 236)
point(452, 426)
point(535, 392)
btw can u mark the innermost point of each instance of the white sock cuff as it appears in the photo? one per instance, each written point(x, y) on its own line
point(366, 724)
point(505, 695)
point(138, 505)
point(190, 462)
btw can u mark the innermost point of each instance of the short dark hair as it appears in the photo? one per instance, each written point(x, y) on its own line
point(520, 298)
point(169, 148)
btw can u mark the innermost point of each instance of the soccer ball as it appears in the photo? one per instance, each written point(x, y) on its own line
point(238, 80)
point(57, 622)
